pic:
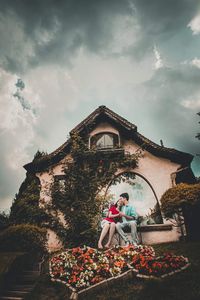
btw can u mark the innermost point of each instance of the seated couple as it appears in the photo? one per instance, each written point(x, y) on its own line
point(128, 218)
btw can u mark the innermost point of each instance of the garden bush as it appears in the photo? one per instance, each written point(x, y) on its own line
point(25, 207)
point(178, 197)
point(4, 220)
point(23, 237)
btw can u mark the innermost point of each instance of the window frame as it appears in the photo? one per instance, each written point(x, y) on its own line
point(94, 139)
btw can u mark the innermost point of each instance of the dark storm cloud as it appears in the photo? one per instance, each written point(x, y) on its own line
point(53, 30)
point(159, 16)
point(58, 28)
point(169, 99)
point(162, 20)
point(126, 54)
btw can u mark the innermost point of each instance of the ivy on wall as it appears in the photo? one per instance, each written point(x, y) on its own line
point(86, 173)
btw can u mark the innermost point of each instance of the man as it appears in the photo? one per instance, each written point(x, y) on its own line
point(129, 217)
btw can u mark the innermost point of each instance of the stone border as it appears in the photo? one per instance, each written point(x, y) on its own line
point(102, 284)
point(164, 275)
point(131, 273)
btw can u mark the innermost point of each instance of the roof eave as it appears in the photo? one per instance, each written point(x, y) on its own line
point(110, 114)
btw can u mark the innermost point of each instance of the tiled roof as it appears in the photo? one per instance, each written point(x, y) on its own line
point(53, 158)
point(170, 153)
point(103, 110)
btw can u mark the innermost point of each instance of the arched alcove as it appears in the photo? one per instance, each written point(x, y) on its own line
point(141, 195)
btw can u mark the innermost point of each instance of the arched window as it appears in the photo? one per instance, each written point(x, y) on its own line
point(104, 141)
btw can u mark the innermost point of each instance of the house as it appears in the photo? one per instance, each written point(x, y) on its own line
point(160, 167)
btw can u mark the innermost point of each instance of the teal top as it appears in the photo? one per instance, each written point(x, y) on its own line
point(129, 211)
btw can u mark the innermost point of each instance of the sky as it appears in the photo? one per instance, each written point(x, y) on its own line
point(61, 59)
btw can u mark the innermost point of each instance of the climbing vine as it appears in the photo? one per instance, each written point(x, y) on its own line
point(86, 173)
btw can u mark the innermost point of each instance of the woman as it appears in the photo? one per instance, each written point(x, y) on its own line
point(108, 224)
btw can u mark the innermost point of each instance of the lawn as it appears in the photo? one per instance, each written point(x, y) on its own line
point(182, 286)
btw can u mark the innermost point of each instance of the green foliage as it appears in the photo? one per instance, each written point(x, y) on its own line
point(178, 196)
point(39, 154)
point(24, 237)
point(4, 220)
point(25, 208)
point(86, 173)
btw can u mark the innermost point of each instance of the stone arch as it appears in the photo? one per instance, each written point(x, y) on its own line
point(120, 173)
point(136, 173)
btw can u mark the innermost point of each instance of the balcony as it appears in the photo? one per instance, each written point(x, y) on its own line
point(107, 152)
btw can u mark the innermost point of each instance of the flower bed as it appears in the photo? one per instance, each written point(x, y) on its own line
point(158, 267)
point(84, 268)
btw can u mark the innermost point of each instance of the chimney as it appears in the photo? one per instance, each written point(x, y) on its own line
point(161, 143)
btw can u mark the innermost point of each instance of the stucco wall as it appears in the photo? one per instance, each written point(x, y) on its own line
point(46, 179)
point(157, 237)
point(53, 242)
point(156, 170)
point(104, 127)
point(150, 237)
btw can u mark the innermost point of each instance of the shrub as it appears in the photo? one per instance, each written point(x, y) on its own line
point(179, 196)
point(4, 220)
point(25, 208)
point(23, 237)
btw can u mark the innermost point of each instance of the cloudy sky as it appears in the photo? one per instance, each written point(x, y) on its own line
point(61, 59)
